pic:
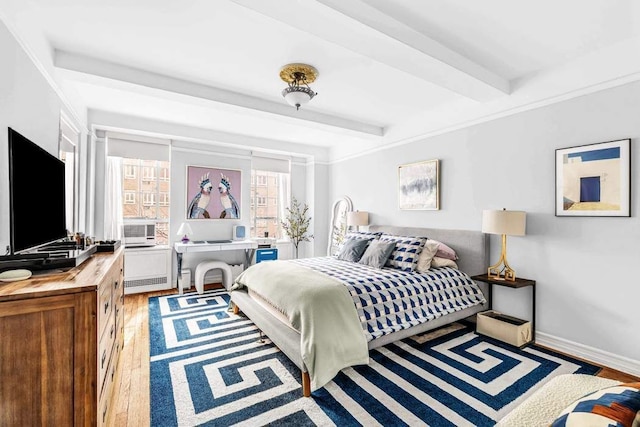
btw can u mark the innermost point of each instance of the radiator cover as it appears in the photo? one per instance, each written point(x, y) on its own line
point(147, 269)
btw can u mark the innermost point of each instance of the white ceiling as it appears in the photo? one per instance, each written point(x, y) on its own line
point(389, 70)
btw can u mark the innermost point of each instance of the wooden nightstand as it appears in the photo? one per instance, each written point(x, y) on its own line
point(518, 283)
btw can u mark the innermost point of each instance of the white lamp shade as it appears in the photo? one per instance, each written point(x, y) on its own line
point(358, 218)
point(184, 230)
point(511, 223)
point(297, 98)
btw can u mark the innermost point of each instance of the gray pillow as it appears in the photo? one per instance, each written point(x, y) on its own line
point(353, 249)
point(377, 253)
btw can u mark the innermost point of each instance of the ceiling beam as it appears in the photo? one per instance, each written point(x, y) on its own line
point(365, 30)
point(116, 122)
point(108, 70)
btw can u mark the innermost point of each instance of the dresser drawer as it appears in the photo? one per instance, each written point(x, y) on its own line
point(105, 306)
point(105, 401)
point(105, 349)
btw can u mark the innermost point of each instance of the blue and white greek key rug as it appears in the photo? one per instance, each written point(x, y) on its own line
point(208, 368)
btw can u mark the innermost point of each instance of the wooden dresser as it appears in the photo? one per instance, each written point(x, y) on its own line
point(61, 335)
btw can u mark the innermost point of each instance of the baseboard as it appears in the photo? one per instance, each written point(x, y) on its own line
point(149, 288)
point(601, 357)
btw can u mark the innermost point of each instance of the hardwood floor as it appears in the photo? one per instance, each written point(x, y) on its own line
point(132, 378)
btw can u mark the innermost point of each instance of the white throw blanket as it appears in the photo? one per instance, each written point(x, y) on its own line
point(317, 306)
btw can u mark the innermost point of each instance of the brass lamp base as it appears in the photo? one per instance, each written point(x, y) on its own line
point(494, 271)
point(502, 266)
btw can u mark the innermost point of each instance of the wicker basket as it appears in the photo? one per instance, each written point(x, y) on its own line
point(505, 328)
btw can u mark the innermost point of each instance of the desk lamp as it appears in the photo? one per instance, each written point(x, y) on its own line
point(184, 231)
point(506, 223)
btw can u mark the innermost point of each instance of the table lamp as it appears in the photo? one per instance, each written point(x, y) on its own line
point(357, 219)
point(506, 223)
point(184, 231)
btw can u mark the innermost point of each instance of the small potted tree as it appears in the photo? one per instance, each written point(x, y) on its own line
point(296, 224)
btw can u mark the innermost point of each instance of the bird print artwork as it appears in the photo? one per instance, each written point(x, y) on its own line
point(198, 205)
point(229, 205)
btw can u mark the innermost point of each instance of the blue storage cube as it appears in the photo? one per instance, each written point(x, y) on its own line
point(270, 254)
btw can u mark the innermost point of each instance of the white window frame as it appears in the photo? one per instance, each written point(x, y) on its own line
point(130, 171)
point(149, 173)
point(165, 174)
point(129, 197)
point(263, 210)
point(148, 199)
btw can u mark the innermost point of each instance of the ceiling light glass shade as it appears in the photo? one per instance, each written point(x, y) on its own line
point(298, 95)
point(298, 76)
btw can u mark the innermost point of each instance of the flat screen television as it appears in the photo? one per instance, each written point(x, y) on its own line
point(36, 195)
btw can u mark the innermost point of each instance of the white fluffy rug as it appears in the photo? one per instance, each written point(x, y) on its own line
point(543, 407)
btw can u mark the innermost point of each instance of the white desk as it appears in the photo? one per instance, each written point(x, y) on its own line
point(249, 247)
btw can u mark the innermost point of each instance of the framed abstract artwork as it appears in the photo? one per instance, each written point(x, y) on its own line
point(419, 186)
point(213, 193)
point(594, 179)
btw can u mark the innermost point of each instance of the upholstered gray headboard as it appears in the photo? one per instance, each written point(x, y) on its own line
point(472, 247)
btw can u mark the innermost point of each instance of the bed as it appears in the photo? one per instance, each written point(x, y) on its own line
point(472, 250)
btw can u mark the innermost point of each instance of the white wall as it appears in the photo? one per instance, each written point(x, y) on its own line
point(29, 105)
point(586, 268)
point(322, 208)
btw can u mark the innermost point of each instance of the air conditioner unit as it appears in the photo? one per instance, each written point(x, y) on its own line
point(139, 233)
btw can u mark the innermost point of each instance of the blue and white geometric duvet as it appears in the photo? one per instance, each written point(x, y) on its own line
point(389, 300)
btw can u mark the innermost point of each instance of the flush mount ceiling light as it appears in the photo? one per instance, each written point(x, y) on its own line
point(298, 77)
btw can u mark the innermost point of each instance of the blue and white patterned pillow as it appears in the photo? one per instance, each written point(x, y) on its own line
point(405, 255)
point(362, 235)
point(617, 406)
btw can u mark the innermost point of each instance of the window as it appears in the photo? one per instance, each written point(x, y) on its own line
point(144, 196)
point(269, 199)
point(148, 173)
point(148, 199)
point(129, 171)
point(164, 174)
point(68, 139)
